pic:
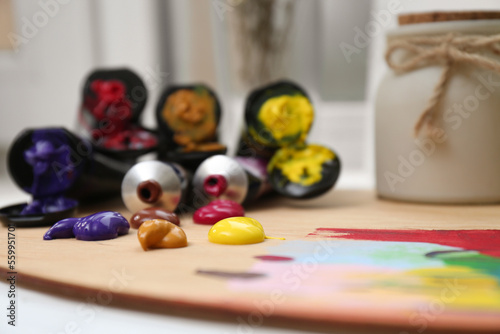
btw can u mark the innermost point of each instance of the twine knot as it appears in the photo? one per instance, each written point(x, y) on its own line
point(446, 49)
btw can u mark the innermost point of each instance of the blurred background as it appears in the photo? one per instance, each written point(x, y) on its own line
point(334, 48)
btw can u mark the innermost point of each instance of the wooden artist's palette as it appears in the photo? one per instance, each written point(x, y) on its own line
point(324, 274)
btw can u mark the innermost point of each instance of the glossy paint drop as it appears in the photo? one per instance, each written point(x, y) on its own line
point(218, 210)
point(238, 231)
point(159, 233)
point(153, 213)
point(98, 226)
point(215, 185)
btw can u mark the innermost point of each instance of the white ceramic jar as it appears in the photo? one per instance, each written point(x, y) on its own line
point(461, 164)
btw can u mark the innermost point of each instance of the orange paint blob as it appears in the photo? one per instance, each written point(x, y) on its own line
point(159, 233)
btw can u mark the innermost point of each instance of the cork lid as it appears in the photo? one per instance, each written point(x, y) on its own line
point(413, 18)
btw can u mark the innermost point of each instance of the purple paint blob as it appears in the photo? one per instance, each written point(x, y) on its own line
point(101, 226)
point(63, 229)
point(49, 204)
point(50, 158)
point(53, 171)
point(98, 226)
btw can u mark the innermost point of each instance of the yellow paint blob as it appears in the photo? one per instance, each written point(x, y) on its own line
point(238, 231)
point(301, 165)
point(288, 118)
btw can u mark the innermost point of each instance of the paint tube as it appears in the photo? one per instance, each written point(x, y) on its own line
point(278, 119)
point(240, 179)
point(57, 168)
point(154, 184)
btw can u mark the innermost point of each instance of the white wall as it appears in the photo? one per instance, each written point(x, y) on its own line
point(172, 40)
point(127, 34)
point(41, 83)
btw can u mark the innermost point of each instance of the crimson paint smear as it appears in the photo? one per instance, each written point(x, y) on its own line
point(484, 241)
point(273, 258)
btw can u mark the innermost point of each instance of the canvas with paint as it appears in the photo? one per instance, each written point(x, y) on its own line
point(419, 274)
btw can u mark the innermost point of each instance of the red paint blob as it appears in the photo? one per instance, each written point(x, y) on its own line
point(110, 103)
point(217, 210)
point(274, 258)
point(486, 242)
point(215, 185)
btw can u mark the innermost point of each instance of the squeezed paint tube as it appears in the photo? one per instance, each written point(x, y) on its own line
point(154, 184)
point(57, 167)
point(240, 179)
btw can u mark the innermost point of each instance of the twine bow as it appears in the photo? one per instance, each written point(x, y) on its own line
point(447, 49)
